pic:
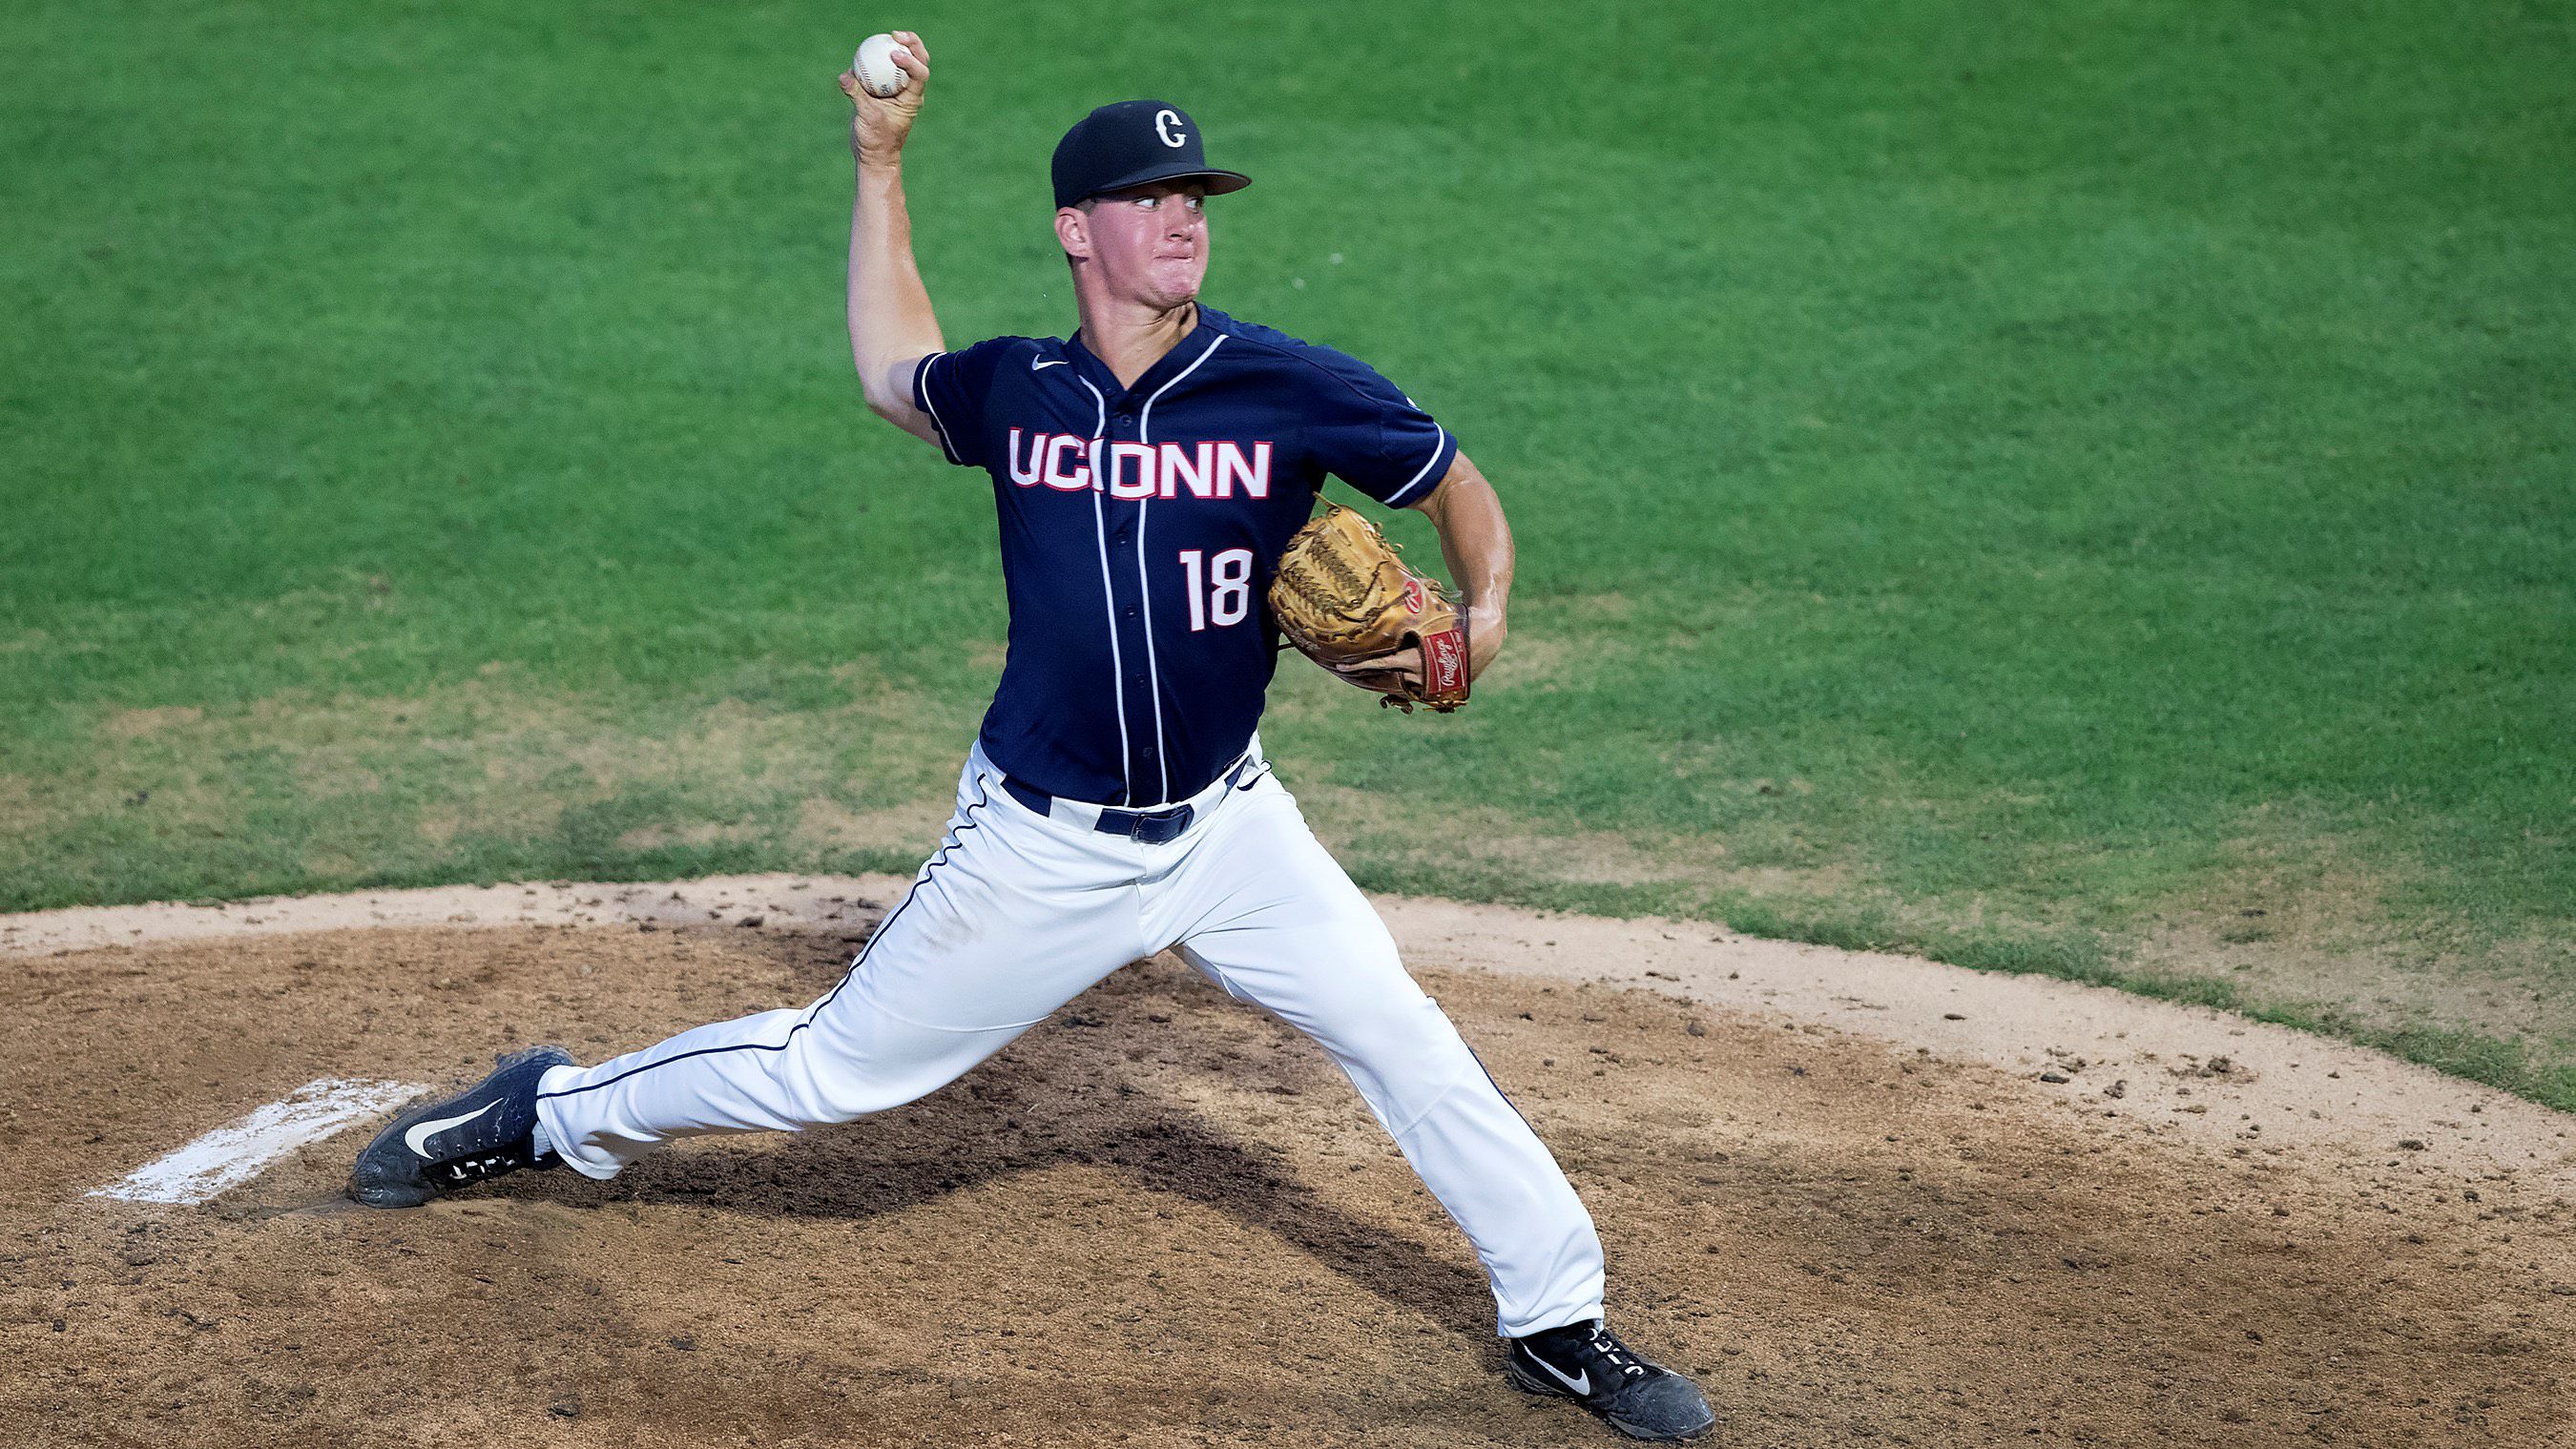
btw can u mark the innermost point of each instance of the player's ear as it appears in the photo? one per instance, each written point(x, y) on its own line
point(1073, 231)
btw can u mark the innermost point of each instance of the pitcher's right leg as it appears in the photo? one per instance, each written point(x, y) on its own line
point(1014, 916)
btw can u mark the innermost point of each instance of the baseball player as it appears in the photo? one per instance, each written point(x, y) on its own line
point(1147, 472)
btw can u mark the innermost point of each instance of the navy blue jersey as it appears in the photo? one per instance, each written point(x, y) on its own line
point(1140, 529)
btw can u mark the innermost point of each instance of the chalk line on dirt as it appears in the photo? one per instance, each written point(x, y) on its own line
point(2185, 1072)
point(240, 1150)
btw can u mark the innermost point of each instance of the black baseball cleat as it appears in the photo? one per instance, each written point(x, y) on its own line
point(1583, 1362)
point(444, 1145)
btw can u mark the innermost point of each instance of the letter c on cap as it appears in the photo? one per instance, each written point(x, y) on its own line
point(1167, 126)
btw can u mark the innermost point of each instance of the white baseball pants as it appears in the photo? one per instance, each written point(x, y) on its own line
point(1018, 913)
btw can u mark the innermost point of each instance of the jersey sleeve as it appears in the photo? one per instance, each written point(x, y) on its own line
point(1371, 436)
point(951, 388)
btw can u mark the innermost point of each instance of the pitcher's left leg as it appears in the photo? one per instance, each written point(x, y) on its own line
point(1265, 911)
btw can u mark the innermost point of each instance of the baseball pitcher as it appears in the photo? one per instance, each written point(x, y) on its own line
point(1149, 472)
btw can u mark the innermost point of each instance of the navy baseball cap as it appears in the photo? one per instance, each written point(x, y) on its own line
point(1132, 143)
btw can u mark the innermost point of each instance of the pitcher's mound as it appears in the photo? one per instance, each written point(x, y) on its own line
point(1163, 1218)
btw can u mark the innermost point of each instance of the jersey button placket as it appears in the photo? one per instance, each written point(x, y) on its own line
point(1145, 771)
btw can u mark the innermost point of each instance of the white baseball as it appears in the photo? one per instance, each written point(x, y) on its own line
point(874, 65)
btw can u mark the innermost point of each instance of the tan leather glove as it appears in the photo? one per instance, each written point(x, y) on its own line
point(1345, 599)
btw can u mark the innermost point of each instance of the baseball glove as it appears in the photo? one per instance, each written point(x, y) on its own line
point(1345, 599)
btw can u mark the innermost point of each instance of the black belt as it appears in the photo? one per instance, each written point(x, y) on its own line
point(1151, 827)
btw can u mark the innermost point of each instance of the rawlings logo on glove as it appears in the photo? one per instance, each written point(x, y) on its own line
point(1346, 601)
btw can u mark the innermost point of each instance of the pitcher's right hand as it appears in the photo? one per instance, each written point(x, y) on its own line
point(878, 126)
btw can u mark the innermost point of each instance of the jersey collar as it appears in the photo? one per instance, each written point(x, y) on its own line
point(1204, 331)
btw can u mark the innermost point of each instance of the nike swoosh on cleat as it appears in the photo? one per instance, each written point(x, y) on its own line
point(1581, 1383)
point(417, 1139)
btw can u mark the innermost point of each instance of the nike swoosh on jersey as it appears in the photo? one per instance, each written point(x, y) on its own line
point(417, 1139)
point(1034, 366)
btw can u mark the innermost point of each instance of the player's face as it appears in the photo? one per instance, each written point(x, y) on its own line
point(1152, 242)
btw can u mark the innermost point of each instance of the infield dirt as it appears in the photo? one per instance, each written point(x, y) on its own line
point(1163, 1218)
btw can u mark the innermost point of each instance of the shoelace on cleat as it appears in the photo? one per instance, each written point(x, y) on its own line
point(1613, 1352)
point(458, 1172)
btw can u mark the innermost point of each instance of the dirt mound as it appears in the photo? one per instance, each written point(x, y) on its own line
point(1162, 1218)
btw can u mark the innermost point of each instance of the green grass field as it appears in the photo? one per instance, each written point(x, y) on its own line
point(2077, 487)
